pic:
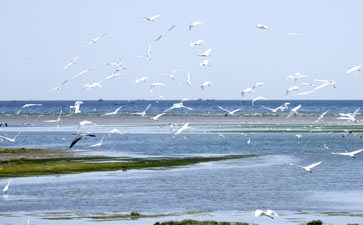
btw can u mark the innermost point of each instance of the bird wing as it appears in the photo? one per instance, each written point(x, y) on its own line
point(224, 109)
point(357, 151)
point(236, 110)
point(271, 213)
point(312, 165)
point(258, 212)
point(75, 140)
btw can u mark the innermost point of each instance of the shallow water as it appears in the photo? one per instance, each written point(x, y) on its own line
point(230, 186)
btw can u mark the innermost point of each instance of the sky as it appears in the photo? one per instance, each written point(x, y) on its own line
point(39, 37)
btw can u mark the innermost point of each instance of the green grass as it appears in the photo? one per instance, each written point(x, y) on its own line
point(67, 163)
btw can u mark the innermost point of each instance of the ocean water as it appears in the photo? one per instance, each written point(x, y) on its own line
point(264, 181)
point(200, 107)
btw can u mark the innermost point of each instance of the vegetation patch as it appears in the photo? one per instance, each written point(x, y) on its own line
point(29, 165)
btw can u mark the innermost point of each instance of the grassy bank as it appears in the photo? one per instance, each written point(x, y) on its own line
point(33, 162)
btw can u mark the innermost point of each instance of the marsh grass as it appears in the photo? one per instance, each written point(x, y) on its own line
point(24, 163)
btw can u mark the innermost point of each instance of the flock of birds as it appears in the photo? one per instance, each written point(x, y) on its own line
point(314, 84)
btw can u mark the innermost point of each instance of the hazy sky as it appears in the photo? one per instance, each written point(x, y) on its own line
point(38, 38)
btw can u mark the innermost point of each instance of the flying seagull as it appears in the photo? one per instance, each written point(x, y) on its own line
point(197, 43)
point(114, 112)
point(170, 75)
point(269, 213)
point(143, 113)
point(351, 154)
point(73, 61)
point(6, 187)
point(353, 69)
point(93, 41)
point(229, 113)
point(79, 137)
point(165, 33)
point(11, 139)
point(309, 167)
point(151, 18)
point(262, 26)
point(141, 79)
point(148, 54)
point(26, 106)
point(194, 24)
point(293, 111)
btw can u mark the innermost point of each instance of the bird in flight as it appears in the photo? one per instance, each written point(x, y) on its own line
point(351, 154)
point(269, 213)
point(114, 112)
point(143, 113)
point(93, 41)
point(197, 43)
point(205, 84)
point(170, 75)
point(262, 26)
point(165, 33)
point(11, 139)
point(293, 111)
point(353, 69)
point(307, 168)
point(151, 18)
point(80, 136)
point(6, 187)
point(72, 62)
point(26, 106)
point(141, 79)
point(194, 24)
point(229, 113)
point(148, 54)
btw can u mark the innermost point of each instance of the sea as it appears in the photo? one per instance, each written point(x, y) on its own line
point(266, 181)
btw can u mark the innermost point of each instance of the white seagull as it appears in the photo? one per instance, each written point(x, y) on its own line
point(148, 54)
point(205, 84)
point(258, 84)
point(353, 69)
point(197, 43)
point(153, 85)
point(157, 116)
point(73, 61)
point(115, 131)
point(165, 33)
point(98, 144)
point(183, 128)
point(194, 24)
point(141, 79)
point(229, 113)
point(351, 154)
point(114, 112)
point(258, 98)
point(307, 168)
point(349, 117)
point(11, 139)
point(294, 34)
point(179, 105)
point(320, 118)
point(204, 63)
point(93, 85)
point(151, 18)
point(6, 187)
point(189, 83)
point(86, 122)
point(113, 75)
point(269, 213)
point(57, 120)
point(26, 106)
point(292, 88)
point(170, 75)
point(76, 107)
point(282, 107)
point(206, 53)
point(143, 113)
point(81, 73)
point(262, 26)
point(93, 41)
point(247, 90)
point(293, 111)
point(296, 76)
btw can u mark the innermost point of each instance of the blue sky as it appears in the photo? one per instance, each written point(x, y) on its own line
point(40, 37)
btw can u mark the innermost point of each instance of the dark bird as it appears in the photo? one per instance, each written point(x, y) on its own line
point(79, 137)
